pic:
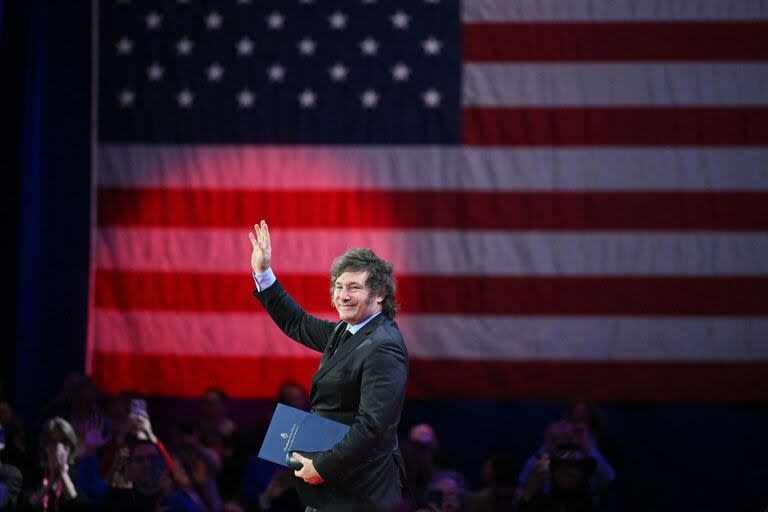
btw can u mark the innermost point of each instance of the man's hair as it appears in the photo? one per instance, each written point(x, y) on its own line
point(380, 280)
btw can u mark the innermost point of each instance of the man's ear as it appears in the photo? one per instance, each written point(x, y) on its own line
point(379, 299)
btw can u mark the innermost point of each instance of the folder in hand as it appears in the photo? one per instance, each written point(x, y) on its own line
point(294, 430)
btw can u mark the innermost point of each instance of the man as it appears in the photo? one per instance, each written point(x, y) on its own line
point(153, 487)
point(360, 382)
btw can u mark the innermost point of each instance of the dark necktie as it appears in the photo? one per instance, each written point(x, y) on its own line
point(344, 337)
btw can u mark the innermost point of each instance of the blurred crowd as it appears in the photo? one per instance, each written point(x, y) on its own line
point(96, 451)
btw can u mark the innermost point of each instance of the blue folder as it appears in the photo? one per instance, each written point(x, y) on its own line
point(294, 430)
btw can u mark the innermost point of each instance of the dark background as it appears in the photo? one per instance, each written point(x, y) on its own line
point(703, 456)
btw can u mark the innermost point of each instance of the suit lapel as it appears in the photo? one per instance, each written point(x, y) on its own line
point(351, 344)
point(337, 332)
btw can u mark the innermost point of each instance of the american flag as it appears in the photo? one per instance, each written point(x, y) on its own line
point(573, 192)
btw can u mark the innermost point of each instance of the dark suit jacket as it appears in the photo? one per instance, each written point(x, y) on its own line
point(361, 385)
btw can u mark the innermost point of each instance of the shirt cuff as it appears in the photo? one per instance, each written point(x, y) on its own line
point(264, 280)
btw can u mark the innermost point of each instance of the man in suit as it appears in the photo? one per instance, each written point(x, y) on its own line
point(360, 382)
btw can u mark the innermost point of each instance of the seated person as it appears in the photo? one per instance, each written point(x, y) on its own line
point(568, 491)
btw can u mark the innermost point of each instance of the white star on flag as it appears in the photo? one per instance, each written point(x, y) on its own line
point(431, 98)
point(276, 72)
point(369, 98)
point(184, 46)
point(153, 20)
point(215, 72)
point(185, 98)
point(369, 46)
point(155, 72)
point(337, 20)
point(244, 46)
point(124, 46)
point(245, 99)
point(432, 46)
point(400, 72)
point(307, 98)
point(306, 46)
point(400, 20)
point(275, 21)
point(126, 97)
point(213, 21)
point(338, 72)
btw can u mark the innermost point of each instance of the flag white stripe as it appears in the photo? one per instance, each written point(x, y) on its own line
point(450, 337)
point(432, 168)
point(612, 10)
point(658, 85)
point(442, 252)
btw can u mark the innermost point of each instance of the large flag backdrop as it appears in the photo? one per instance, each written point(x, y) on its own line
point(573, 192)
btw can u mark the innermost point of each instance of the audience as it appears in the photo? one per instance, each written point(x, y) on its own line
point(100, 452)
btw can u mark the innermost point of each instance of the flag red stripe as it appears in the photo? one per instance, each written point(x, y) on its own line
point(444, 294)
point(615, 41)
point(666, 211)
point(254, 377)
point(617, 126)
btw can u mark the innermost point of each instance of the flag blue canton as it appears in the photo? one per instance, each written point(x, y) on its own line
point(293, 72)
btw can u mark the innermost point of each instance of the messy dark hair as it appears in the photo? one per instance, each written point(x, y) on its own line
point(380, 280)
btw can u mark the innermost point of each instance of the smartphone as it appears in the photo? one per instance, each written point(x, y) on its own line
point(138, 406)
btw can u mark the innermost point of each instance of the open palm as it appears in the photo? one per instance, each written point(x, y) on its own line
point(261, 256)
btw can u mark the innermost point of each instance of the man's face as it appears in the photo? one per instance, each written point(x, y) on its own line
point(352, 299)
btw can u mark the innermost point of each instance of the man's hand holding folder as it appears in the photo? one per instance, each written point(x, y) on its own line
point(293, 430)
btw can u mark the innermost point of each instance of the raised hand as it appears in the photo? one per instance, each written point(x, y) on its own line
point(261, 257)
point(93, 434)
point(143, 426)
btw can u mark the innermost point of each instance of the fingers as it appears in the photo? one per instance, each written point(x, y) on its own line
point(266, 231)
point(253, 240)
point(299, 457)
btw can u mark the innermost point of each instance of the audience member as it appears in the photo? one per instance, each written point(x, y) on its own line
point(419, 455)
point(221, 434)
point(569, 468)
point(199, 463)
point(57, 449)
point(563, 433)
point(447, 492)
point(581, 412)
point(16, 452)
point(291, 393)
point(153, 487)
point(267, 486)
point(499, 495)
point(10, 480)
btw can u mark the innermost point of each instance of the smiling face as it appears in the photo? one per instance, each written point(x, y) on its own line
point(352, 299)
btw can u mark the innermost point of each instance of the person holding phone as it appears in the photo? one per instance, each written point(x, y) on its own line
point(360, 382)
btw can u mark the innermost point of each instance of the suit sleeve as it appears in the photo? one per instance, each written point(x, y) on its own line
point(291, 318)
point(381, 400)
